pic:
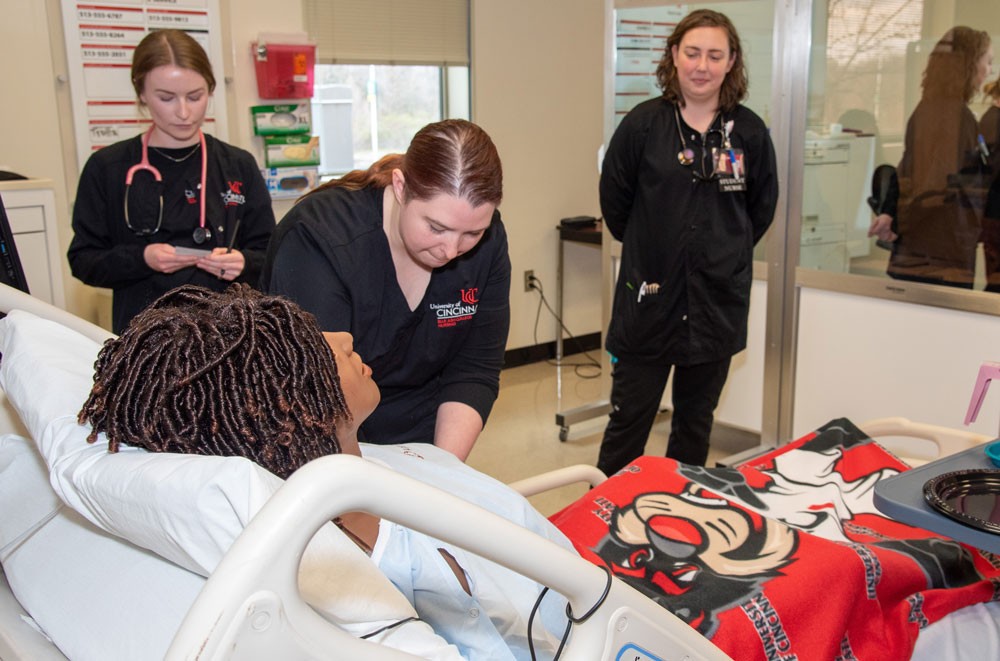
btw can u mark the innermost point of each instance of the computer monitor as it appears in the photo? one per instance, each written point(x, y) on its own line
point(11, 272)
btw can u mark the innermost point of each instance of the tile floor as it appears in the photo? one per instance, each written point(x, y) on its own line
point(522, 439)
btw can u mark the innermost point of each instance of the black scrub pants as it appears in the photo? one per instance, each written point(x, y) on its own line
point(636, 391)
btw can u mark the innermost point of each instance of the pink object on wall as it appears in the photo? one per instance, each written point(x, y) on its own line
point(987, 372)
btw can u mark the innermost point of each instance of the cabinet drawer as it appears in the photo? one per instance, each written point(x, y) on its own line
point(26, 219)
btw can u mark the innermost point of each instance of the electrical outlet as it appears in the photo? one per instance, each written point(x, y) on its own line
point(529, 275)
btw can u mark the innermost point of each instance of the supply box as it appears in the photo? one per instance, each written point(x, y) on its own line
point(283, 119)
point(291, 150)
point(290, 183)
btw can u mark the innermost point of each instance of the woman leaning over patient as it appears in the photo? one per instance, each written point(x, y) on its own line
point(239, 373)
point(411, 257)
point(142, 223)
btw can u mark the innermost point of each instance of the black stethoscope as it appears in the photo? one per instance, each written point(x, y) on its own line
point(201, 233)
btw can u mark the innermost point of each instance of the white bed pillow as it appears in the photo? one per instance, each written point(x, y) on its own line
point(148, 499)
point(57, 563)
point(185, 508)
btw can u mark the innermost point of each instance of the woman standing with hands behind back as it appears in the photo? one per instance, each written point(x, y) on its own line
point(411, 257)
point(141, 223)
point(689, 185)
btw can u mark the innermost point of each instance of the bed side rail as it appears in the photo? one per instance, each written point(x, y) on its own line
point(560, 477)
point(250, 608)
point(941, 441)
point(15, 299)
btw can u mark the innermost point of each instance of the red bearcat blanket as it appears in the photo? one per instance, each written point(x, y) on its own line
point(784, 557)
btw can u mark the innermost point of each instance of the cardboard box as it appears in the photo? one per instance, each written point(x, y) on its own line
point(289, 183)
point(286, 119)
point(291, 150)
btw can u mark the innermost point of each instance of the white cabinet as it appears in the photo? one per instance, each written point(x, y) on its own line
point(31, 211)
point(835, 214)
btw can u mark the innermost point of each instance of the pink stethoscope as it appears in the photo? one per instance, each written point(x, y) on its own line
point(201, 233)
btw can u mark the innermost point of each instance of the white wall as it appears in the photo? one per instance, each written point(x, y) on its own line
point(35, 132)
point(866, 358)
point(537, 90)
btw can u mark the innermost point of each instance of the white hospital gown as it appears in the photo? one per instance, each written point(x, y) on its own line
point(492, 623)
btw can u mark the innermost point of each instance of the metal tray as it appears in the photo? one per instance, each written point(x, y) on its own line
point(969, 496)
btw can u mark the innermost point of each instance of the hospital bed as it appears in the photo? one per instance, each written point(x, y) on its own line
point(252, 604)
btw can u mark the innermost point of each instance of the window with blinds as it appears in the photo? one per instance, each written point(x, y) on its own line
point(434, 32)
point(385, 68)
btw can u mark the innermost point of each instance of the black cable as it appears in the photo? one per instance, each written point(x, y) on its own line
point(531, 619)
point(593, 609)
point(536, 285)
point(390, 626)
point(562, 643)
point(570, 620)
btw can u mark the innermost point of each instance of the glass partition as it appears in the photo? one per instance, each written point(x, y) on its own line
point(899, 83)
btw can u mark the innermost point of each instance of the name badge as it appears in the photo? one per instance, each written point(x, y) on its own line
point(729, 167)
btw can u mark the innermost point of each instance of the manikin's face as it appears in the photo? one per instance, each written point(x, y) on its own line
point(702, 59)
point(177, 100)
point(360, 391)
point(438, 230)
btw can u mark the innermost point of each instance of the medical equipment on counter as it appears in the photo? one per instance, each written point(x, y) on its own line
point(201, 233)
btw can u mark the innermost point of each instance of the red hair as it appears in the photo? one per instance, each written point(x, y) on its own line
point(451, 157)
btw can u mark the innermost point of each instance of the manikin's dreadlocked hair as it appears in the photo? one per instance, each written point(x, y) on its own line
point(236, 373)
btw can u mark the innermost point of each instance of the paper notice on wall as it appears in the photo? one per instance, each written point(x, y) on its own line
point(640, 39)
point(100, 40)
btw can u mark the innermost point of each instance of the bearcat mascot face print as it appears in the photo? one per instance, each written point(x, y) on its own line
point(694, 553)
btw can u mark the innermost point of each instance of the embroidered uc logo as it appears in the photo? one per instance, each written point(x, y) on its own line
point(470, 296)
